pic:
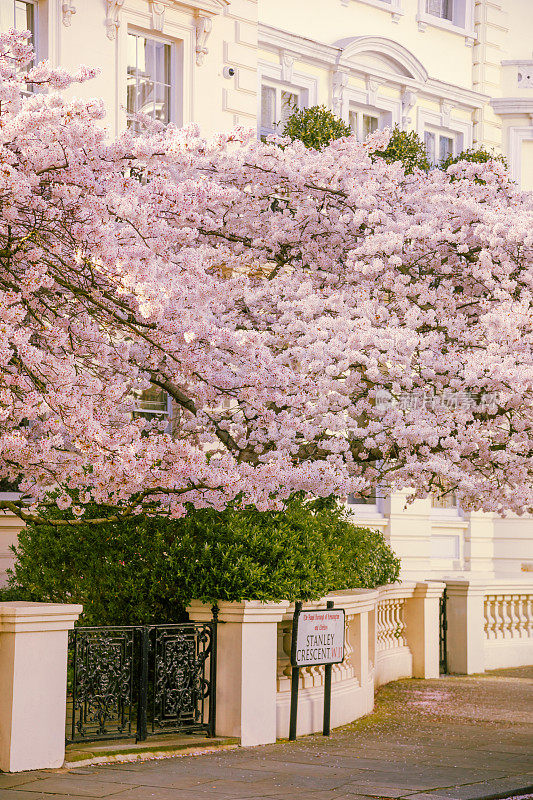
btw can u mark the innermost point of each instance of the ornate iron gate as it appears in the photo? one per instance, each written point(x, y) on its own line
point(443, 635)
point(141, 680)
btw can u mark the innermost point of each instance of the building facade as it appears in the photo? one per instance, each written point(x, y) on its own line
point(458, 72)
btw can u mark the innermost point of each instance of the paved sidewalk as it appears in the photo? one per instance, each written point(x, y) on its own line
point(461, 738)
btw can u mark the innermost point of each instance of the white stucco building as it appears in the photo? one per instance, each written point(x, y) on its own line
point(459, 72)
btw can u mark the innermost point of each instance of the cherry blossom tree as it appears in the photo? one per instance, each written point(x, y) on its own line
point(321, 321)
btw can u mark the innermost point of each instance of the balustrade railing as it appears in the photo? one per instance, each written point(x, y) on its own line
point(508, 616)
point(391, 623)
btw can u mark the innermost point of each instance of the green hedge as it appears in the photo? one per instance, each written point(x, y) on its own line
point(148, 570)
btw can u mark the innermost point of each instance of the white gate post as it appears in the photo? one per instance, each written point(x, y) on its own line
point(465, 618)
point(33, 683)
point(422, 628)
point(246, 667)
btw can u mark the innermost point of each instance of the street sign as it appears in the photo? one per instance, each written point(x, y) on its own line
point(318, 637)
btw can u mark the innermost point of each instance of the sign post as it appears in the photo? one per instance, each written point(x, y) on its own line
point(327, 690)
point(317, 639)
point(295, 675)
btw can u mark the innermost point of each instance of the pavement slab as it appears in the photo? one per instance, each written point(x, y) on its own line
point(452, 738)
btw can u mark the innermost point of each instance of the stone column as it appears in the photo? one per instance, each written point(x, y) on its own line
point(466, 633)
point(479, 543)
point(422, 628)
point(246, 667)
point(33, 683)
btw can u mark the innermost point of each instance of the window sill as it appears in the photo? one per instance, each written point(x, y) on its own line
point(436, 22)
point(392, 8)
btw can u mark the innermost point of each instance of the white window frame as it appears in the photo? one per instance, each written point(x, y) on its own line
point(35, 5)
point(462, 22)
point(384, 118)
point(173, 94)
point(516, 136)
point(445, 125)
point(301, 95)
point(151, 414)
point(36, 13)
point(369, 509)
point(305, 86)
point(182, 38)
point(439, 133)
point(369, 102)
point(448, 511)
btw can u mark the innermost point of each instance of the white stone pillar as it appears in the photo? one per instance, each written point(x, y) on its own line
point(479, 543)
point(466, 633)
point(33, 683)
point(422, 628)
point(246, 667)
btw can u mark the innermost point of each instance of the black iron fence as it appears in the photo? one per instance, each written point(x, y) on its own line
point(141, 680)
point(443, 635)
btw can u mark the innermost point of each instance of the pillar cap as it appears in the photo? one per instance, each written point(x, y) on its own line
point(244, 611)
point(429, 589)
point(17, 616)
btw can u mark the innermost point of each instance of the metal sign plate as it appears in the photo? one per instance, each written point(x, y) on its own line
point(318, 638)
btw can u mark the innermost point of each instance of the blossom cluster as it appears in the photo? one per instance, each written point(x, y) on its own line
point(275, 293)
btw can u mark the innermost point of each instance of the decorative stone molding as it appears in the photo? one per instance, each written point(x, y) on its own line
point(408, 103)
point(445, 110)
point(158, 15)
point(67, 10)
point(339, 83)
point(112, 17)
point(407, 62)
point(372, 88)
point(204, 26)
point(287, 63)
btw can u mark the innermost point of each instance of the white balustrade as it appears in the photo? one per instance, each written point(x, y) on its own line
point(508, 617)
point(378, 648)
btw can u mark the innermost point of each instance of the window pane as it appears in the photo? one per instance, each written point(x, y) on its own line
point(440, 8)
point(352, 121)
point(152, 404)
point(448, 500)
point(162, 102)
point(370, 124)
point(429, 141)
point(445, 147)
point(132, 72)
point(268, 107)
point(289, 104)
point(23, 16)
point(149, 77)
point(20, 15)
point(359, 500)
point(162, 62)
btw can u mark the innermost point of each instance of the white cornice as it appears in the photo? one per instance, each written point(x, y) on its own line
point(310, 49)
point(512, 106)
point(517, 62)
point(339, 58)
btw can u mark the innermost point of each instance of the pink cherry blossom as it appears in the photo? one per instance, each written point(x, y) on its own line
point(321, 320)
